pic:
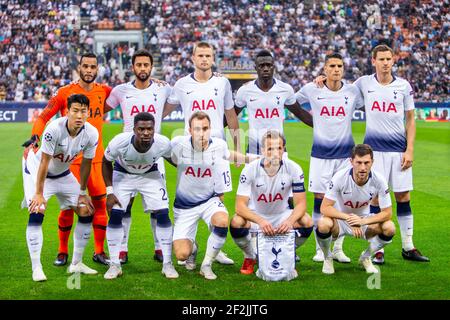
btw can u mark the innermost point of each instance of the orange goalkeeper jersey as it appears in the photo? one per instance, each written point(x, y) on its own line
point(58, 103)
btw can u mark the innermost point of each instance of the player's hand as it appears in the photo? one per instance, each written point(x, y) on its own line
point(319, 81)
point(111, 200)
point(354, 220)
point(85, 208)
point(160, 83)
point(407, 159)
point(357, 232)
point(285, 226)
point(267, 227)
point(32, 141)
point(37, 204)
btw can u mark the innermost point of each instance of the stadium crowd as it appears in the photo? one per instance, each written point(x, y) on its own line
point(39, 40)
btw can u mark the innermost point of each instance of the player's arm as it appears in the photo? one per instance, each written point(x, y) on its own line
point(328, 210)
point(107, 172)
point(301, 114)
point(84, 200)
point(410, 126)
point(384, 215)
point(233, 125)
point(237, 110)
point(298, 212)
point(38, 198)
point(168, 108)
point(107, 108)
point(169, 160)
point(54, 105)
point(243, 210)
point(238, 157)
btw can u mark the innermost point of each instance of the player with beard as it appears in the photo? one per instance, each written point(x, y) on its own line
point(97, 94)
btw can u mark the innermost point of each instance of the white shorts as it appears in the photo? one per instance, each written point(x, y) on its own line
point(322, 170)
point(186, 220)
point(346, 230)
point(162, 170)
point(275, 220)
point(389, 164)
point(151, 186)
point(66, 189)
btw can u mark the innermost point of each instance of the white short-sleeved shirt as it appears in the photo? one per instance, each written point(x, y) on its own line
point(127, 159)
point(212, 97)
point(201, 175)
point(269, 195)
point(351, 198)
point(133, 100)
point(385, 107)
point(332, 118)
point(57, 142)
point(265, 109)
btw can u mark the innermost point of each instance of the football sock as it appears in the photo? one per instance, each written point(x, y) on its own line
point(153, 227)
point(243, 238)
point(65, 222)
point(114, 235)
point(99, 223)
point(406, 222)
point(338, 243)
point(316, 217)
point(301, 235)
point(81, 237)
point(35, 238)
point(164, 232)
point(378, 242)
point(216, 240)
point(324, 240)
point(126, 223)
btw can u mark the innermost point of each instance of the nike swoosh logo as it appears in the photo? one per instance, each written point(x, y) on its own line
point(128, 97)
point(61, 145)
point(319, 98)
point(259, 185)
point(251, 100)
point(347, 192)
point(370, 91)
point(189, 92)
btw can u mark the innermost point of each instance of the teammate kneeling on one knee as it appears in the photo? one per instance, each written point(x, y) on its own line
point(135, 155)
point(346, 209)
point(261, 201)
point(46, 173)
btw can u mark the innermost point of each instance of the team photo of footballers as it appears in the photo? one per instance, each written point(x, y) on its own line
point(214, 207)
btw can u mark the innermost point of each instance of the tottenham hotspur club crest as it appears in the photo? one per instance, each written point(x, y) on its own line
point(216, 90)
point(275, 263)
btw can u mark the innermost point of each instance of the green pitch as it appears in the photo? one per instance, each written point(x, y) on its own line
point(142, 277)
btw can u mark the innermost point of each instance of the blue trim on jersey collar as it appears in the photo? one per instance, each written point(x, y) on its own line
point(273, 83)
point(325, 84)
point(393, 78)
point(67, 122)
point(192, 76)
point(149, 85)
point(261, 163)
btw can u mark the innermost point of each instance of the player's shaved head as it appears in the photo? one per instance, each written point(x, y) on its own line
point(362, 150)
point(77, 98)
point(381, 48)
point(144, 116)
point(142, 53)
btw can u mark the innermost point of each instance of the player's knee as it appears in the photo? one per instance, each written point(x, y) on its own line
point(181, 252)
point(35, 219)
point(162, 218)
point(237, 222)
point(402, 196)
point(388, 228)
point(307, 221)
point(220, 219)
point(115, 219)
point(324, 225)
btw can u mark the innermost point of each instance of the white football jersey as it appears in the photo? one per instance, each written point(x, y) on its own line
point(213, 97)
point(385, 107)
point(351, 198)
point(127, 159)
point(133, 100)
point(201, 175)
point(332, 118)
point(57, 142)
point(265, 109)
point(269, 195)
